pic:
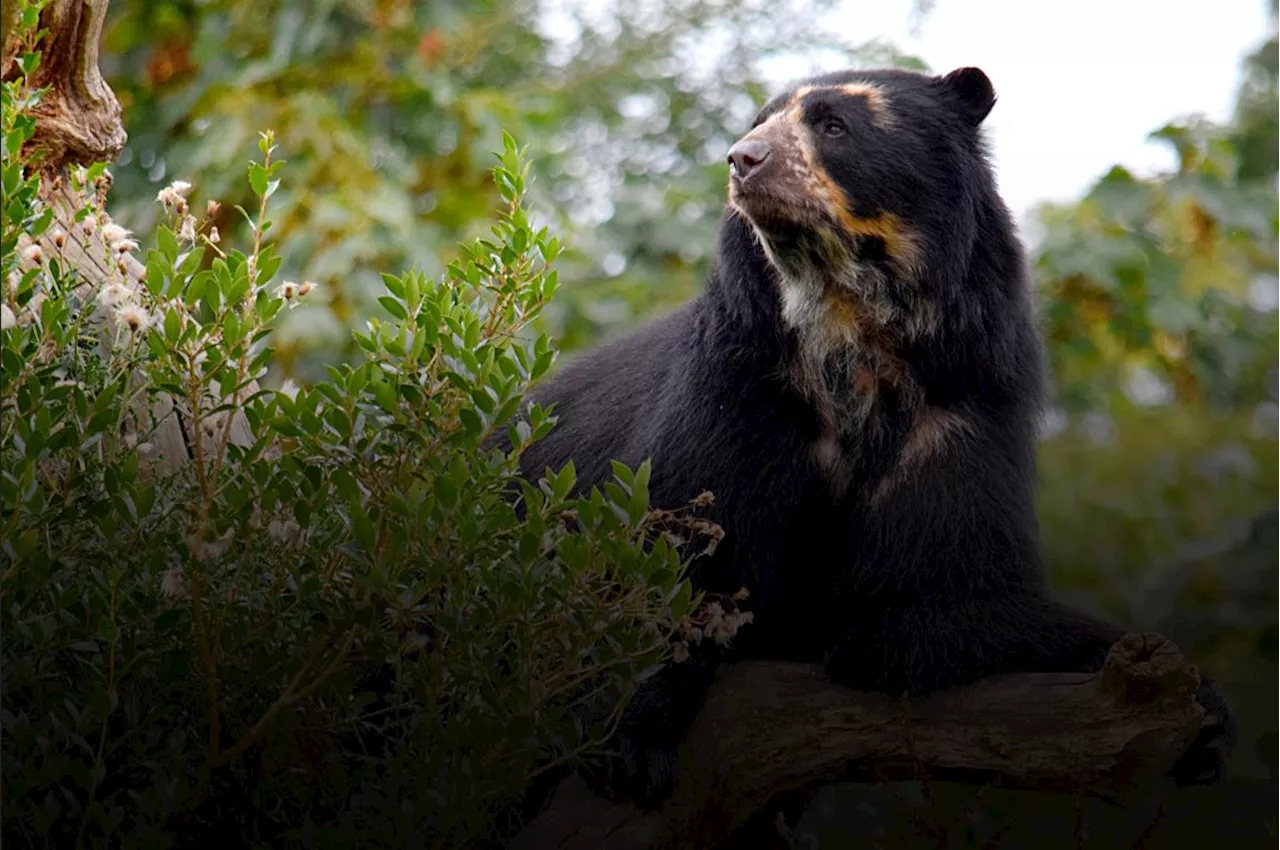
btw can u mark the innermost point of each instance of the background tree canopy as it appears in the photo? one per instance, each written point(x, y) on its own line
point(1158, 294)
point(392, 109)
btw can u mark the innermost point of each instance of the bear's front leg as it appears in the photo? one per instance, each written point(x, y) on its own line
point(641, 765)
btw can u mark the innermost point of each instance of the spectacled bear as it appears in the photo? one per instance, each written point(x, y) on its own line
point(859, 385)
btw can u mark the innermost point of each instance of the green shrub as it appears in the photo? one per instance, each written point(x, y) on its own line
point(186, 647)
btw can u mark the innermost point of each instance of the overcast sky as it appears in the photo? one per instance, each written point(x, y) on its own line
point(1080, 82)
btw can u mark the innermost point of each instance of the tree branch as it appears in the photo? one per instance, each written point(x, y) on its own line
point(769, 728)
point(78, 120)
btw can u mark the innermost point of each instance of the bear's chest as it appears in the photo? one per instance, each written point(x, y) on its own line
point(864, 403)
point(849, 366)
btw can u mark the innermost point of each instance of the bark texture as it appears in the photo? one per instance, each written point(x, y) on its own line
point(78, 120)
point(769, 729)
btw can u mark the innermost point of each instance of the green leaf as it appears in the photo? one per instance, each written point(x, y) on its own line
point(393, 285)
point(393, 306)
point(168, 244)
point(258, 178)
point(470, 421)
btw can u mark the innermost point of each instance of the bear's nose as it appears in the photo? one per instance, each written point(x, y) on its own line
point(746, 157)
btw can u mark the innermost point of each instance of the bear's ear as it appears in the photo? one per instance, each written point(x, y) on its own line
point(971, 92)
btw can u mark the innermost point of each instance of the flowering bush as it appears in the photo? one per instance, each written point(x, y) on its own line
point(303, 615)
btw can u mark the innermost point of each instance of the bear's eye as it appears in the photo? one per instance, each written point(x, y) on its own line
point(832, 128)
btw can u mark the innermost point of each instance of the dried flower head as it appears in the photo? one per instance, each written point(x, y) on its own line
point(284, 531)
point(305, 289)
point(173, 584)
point(133, 317)
point(175, 195)
point(187, 233)
point(287, 290)
point(113, 234)
point(114, 295)
point(214, 238)
point(7, 318)
point(33, 255)
point(208, 550)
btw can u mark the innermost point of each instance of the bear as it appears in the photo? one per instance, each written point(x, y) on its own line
point(859, 385)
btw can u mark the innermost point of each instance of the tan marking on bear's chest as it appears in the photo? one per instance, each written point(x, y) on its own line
point(932, 432)
point(865, 368)
point(846, 318)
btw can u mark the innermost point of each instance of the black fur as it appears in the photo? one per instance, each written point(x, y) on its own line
point(927, 583)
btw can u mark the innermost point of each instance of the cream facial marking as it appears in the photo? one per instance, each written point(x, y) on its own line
point(873, 94)
point(801, 184)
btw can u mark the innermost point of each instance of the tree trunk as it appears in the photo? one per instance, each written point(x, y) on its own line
point(78, 123)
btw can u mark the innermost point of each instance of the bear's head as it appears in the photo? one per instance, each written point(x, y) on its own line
point(867, 191)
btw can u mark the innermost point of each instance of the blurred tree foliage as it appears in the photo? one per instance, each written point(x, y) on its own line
point(1159, 299)
point(390, 108)
point(1158, 293)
